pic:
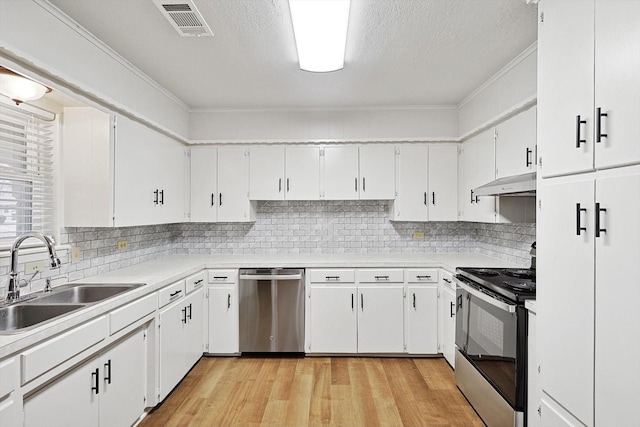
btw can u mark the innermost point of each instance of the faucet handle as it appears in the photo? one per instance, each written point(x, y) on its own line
point(47, 287)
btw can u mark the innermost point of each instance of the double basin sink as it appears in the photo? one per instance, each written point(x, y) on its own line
point(47, 306)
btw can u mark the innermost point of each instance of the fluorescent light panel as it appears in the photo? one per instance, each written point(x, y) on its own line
point(320, 28)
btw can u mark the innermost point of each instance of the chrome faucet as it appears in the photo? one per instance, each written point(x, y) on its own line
point(14, 286)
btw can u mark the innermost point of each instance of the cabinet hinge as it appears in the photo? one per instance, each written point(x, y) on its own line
point(541, 16)
point(322, 152)
point(396, 151)
point(495, 135)
point(540, 162)
point(144, 336)
point(539, 204)
point(115, 121)
point(539, 410)
point(188, 153)
point(207, 347)
point(144, 398)
point(404, 347)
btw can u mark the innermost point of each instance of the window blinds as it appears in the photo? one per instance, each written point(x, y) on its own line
point(26, 174)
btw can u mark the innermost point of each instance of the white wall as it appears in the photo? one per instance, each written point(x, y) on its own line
point(373, 124)
point(48, 45)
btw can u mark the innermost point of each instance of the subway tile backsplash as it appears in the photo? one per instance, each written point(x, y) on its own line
point(354, 227)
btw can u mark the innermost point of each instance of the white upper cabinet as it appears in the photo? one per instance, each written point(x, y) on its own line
point(516, 145)
point(118, 172)
point(590, 117)
point(352, 172)
point(219, 185)
point(284, 173)
point(427, 180)
point(477, 167)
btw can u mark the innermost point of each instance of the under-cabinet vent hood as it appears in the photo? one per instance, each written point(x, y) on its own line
point(184, 17)
point(519, 185)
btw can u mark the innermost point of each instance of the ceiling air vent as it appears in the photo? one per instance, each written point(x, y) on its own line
point(184, 17)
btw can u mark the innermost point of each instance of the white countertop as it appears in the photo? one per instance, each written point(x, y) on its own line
point(163, 271)
point(531, 305)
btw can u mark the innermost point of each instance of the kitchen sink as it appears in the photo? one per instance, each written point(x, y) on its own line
point(82, 294)
point(16, 318)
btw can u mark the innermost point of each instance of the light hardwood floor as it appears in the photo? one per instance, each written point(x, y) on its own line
point(316, 391)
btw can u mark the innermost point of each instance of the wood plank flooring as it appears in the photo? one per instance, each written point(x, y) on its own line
point(316, 391)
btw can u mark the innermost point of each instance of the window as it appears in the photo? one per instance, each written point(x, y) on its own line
point(26, 174)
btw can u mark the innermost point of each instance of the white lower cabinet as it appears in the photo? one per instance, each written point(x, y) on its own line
point(223, 320)
point(422, 319)
point(333, 322)
point(380, 318)
point(447, 318)
point(533, 387)
point(180, 336)
point(553, 415)
point(107, 390)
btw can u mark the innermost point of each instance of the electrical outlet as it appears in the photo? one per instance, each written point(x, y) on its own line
point(122, 244)
point(75, 254)
point(418, 235)
point(35, 266)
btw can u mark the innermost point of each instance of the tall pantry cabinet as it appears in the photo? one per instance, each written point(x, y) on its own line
point(588, 210)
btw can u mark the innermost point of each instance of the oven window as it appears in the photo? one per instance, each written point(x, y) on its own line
point(487, 335)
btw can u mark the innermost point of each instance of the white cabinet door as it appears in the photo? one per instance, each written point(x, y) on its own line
point(422, 318)
point(71, 401)
point(223, 320)
point(377, 172)
point(617, 331)
point(171, 166)
point(442, 195)
point(381, 319)
point(553, 415)
point(516, 145)
point(123, 382)
point(533, 386)
point(171, 347)
point(340, 173)
point(333, 319)
point(565, 86)
point(566, 296)
point(204, 184)
point(302, 165)
point(411, 203)
point(617, 87)
point(193, 329)
point(448, 321)
point(266, 173)
point(233, 186)
point(478, 164)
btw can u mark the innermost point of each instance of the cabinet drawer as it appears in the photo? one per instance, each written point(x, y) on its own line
point(447, 280)
point(380, 276)
point(332, 276)
point(170, 293)
point(196, 281)
point(125, 316)
point(8, 376)
point(51, 353)
point(422, 275)
point(223, 276)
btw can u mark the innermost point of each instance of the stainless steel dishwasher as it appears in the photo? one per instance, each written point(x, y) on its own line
point(271, 310)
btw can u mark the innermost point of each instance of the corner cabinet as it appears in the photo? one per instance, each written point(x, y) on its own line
point(118, 172)
point(108, 390)
point(220, 185)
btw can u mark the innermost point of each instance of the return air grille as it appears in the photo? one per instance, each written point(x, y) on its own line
point(184, 17)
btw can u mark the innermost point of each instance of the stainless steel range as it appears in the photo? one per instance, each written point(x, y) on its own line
point(491, 340)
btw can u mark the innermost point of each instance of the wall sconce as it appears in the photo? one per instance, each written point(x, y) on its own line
point(20, 88)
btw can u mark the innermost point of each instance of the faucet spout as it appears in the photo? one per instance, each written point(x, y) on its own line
point(14, 287)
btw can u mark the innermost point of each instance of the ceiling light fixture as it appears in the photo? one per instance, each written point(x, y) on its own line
point(320, 29)
point(20, 88)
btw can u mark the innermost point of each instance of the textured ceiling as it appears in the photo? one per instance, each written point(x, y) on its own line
point(399, 52)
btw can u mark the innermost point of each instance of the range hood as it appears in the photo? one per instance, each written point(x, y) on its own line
point(519, 185)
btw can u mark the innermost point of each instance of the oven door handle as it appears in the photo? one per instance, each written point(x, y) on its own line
point(509, 308)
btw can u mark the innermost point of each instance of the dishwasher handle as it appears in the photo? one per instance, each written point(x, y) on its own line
point(270, 276)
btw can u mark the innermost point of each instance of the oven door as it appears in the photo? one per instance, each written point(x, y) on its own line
point(488, 335)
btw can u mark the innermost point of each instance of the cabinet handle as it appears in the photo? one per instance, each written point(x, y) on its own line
point(329, 278)
point(219, 277)
point(279, 185)
point(451, 313)
point(162, 197)
point(107, 371)
point(382, 277)
point(362, 302)
point(352, 307)
point(213, 199)
point(599, 134)
point(446, 280)
point(364, 188)
point(94, 376)
point(175, 294)
point(425, 197)
point(228, 301)
point(423, 277)
point(197, 282)
point(356, 184)
point(414, 300)
point(473, 200)
point(190, 312)
point(598, 229)
point(220, 201)
point(155, 199)
point(578, 124)
point(433, 198)
point(287, 185)
point(184, 315)
point(528, 160)
point(579, 229)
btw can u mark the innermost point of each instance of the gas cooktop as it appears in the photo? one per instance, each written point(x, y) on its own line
point(516, 284)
